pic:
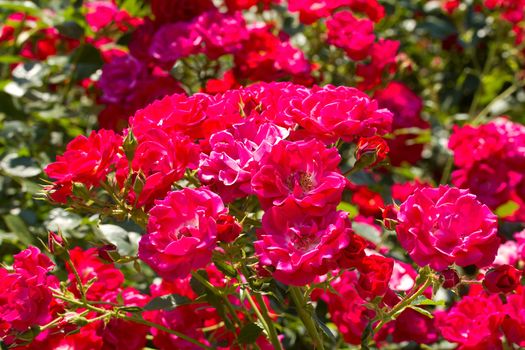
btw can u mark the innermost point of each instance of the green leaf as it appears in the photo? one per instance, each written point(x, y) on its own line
point(126, 242)
point(422, 311)
point(349, 208)
point(62, 220)
point(21, 6)
point(167, 302)
point(367, 231)
point(324, 327)
point(19, 228)
point(249, 333)
point(423, 300)
point(224, 267)
point(16, 166)
point(70, 29)
point(507, 209)
point(87, 59)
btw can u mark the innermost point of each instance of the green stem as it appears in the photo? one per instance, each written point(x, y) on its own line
point(113, 313)
point(272, 332)
point(447, 170)
point(214, 290)
point(402, 305)
point(300, 304)
point(81, 289)
point(505, 94)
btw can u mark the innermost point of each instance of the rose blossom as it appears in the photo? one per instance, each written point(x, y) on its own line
point(305, 172)
point(445, 225)
point(330, 113)
point(473, 322)
point(235, 155)
point(182, 232)
point(353, 35)
point(514, 322)
point(502, 279)
point(299, 246)
point(86, 160)
point(25, 297)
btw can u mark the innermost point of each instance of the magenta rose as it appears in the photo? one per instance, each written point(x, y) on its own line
point(300, 246)
point(235, 155)
point(182, 232)
point(444, 226)
point(305, 172)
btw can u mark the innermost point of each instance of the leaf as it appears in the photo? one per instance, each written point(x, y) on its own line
point(224, 267)
point(167, 302)
point(19, 228)
point(16, 166)
point(367, 231)
point(423, 300)
point(249, 333)
point(324, 327)
point(70, 29)
point(126, 242)
point(507, 209)
point(88, 60)
point(422, 311)
point(349, 208)
point(20, 6)
point(62, 220)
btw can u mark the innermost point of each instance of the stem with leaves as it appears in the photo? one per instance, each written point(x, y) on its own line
point(306, 316)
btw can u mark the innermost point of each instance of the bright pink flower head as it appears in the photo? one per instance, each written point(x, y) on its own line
point(175, 40)
point(471, 329)
point(25, 297)
point(312, 10)
point(236, 154)
point(163, 159)
point(444, 226)
point(182, 232)
point(299, 246)
point(266, 57)
point(330, 113)
point(383, 60)
point(86, 160)
point(353, 35)
point(305, 172)
point(221, 33)
point(514, 322)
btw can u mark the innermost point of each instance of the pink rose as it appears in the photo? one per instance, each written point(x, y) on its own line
point(304, 172)
point(444, 226)
point(182, 232)
point(300, 246)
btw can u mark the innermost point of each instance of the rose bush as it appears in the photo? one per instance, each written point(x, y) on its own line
point(262, 174)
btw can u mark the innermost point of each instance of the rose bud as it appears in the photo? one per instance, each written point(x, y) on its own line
point(502, 279)
point(371, 151)
point(105, 251)
point(56, 244)
point(228, 228)
point(450, 278)
point(390, 217)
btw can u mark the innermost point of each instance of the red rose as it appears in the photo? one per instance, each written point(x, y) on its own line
point(502, 279)
point(375, 274)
